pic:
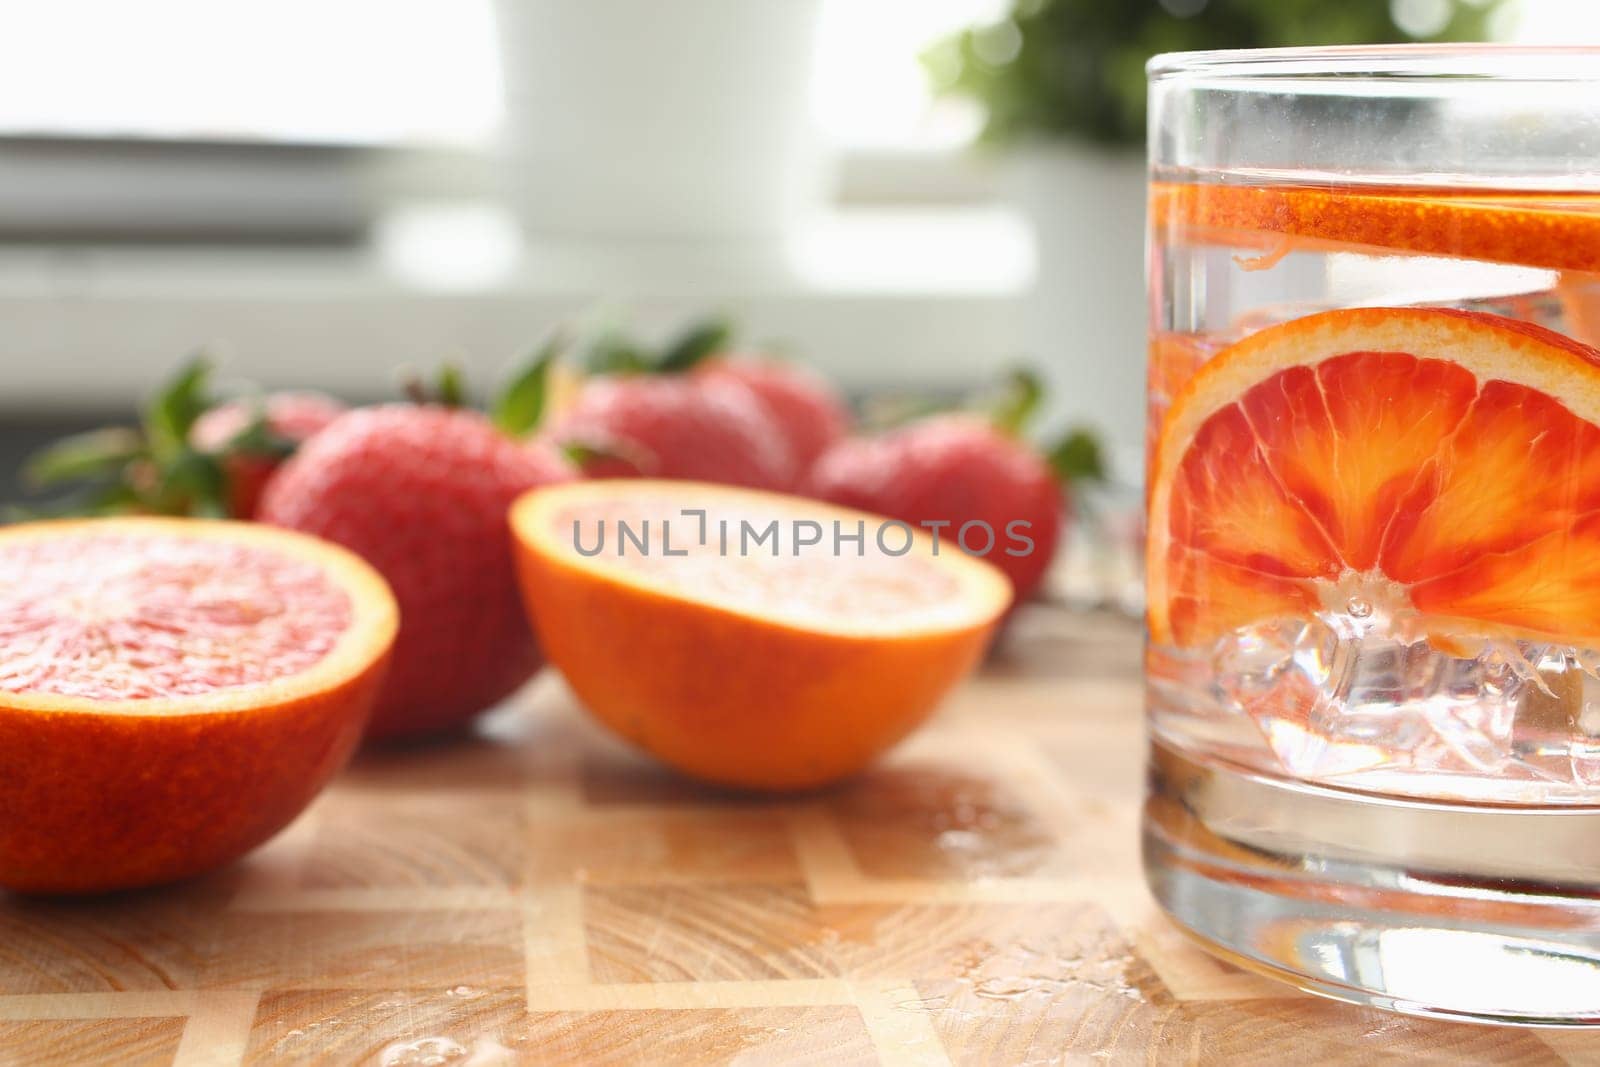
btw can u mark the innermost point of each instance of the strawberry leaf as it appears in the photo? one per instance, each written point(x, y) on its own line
point(701, 339)
point(192, 483)
point(450, 387)
point(257, 439)
point(590, 450)
point(1077, 457)
point(519, 408)
point(153, 469)
point(1016, 400)
point(115, 498)
point(95, 454)
point(612, 352)
point(172, 411)
point(105, 498)
point(579, 453)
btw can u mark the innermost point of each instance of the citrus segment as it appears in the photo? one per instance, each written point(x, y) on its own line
point(1345, 451)
point(734, 635)
point(1223, 485)
point(1461, 510)
point(1429, 461)
point(1532, 229)
point(1550, 585)
point(172, 692)
point(1209, 596)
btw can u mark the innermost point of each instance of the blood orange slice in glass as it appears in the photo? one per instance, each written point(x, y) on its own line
point(1438, 467)
point(718, 635)
point(172, 692)
point(1530, 229)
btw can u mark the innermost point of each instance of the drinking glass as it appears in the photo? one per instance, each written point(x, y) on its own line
point(1373, 483)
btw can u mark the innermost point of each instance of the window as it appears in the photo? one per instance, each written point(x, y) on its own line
point(353, 71)
point(871, 93)
point(367, 71)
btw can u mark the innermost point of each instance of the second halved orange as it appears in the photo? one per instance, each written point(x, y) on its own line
point(735, 636)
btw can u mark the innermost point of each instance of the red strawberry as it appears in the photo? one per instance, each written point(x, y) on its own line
point(676, 426)
point(422, 494)
point(806, 409)
point(957, 469)
point(290, 417)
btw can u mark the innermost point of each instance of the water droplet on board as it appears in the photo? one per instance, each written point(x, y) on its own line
point(921, 1004)
point(1004, 988)
point(423, 1052)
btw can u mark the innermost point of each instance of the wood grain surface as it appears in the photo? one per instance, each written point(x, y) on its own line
point(539, 894)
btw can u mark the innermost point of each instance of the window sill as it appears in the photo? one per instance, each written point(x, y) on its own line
point(920, 297)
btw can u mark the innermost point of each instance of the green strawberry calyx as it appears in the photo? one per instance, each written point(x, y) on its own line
point(1011, 405)
point(152, 468)
point(1075, 457)
point(519, 407)
point(448, 389)
point(522, 403)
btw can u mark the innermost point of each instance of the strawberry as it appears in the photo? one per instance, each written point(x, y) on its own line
point(806, 409)
point(252, 438)
point(675, 427)
point(960, 468)
point(422, 492)
point(643, 413)
point(955, 469)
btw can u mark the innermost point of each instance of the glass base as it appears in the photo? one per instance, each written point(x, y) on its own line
point(1466, 912)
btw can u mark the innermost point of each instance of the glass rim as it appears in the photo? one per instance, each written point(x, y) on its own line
point(1333, 64)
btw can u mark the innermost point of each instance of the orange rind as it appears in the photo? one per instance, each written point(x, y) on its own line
point(173, 692)
point(1553, 231)
point(738, 666)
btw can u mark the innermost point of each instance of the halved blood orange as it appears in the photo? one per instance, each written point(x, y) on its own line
point(765, 663)
point(1426, 463)
point(172, 692)
point(1531, 229)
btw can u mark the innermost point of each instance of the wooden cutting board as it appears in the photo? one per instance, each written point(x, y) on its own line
point(539, 894)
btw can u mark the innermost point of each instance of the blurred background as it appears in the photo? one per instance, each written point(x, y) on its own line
point(906, 194)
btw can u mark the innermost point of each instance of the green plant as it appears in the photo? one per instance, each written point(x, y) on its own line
point(1075, 68)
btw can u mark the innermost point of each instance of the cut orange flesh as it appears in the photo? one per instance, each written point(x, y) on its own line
point(1425, 463)
point(123, 615)
point(172, 692)
point(769, 663)
point(1549, 230)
